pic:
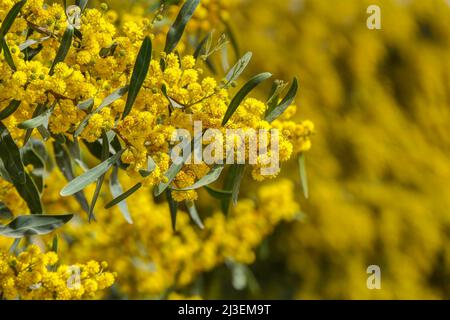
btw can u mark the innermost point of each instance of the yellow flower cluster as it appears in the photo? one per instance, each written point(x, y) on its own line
point(36, 275)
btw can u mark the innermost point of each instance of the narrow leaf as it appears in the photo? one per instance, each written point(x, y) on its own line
point(116, 190)
point(285, 103)
point(238, 68)
point(80, 182)
point(303, 175)
point(98, 187)
point(233, 183)
point(40, 120)
point(10, 17)
point(177, 29)
point(151, 165)
point(82, 4)
point(30, 193)
point(10, 155)
point(209, 178)
point(63, 50)
point(245, 90)
point(30, 42)
point(5, 213)
point(7, 54)
point(117, 94)
point(139, 73)
point(173, 207)
point(10, 109)
point(64, 163)
point(218, 194)
point(123, 196)
point(194, 214)
point(29, 225)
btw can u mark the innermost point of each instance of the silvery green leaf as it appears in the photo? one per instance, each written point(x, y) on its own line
point(29, 225)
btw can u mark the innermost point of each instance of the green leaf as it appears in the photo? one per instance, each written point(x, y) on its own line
point(233, 183)
point(232, 37)
point(209, 178)
point(29, 225)
point(5, 213)
point(238, 68)
point(55, 244)
point(174, 169)
point(82, 4)
point(116, 190)
point(274, 95)
point(98, 186)
point(173, 207)
point(10, 109)
point(14, 246)
point(85, 105)
point(245, 90)
point(303, 175)
point(177, 29)
point(123, 196)
point(30, 193)
point(37, 111)
point(63, 50)
point(80, 182)
point(151, 165)
point(64, 163)
point(10, 155)
point(116, 95)
point(40, 120)
point(284, 104)
point(194, 214)
point(218, 194)
point(7, 54)
point(139, 73)
point(31, 157)
point(200, 47)
point(10, 17)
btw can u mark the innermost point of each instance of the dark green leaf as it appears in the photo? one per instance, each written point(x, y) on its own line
point(174, 169)
point(10, 155)
point(238, 68)
point(5, 213)
point(303, 176)
point(139, 73)
point(80, 182)
point(40, 120)
point(7, 54)
point(233, 183)
point(177, 29)
point(63, 50)
point(10, 109)
point(30, 193)
point(123, 196)
point(55, 243)
point(218, 194)
point(284, 104)
point(82, 4)
point(30, 42)
point(10, 17)
point(31, 157)
point(232, 37)
point(37, 111)
point(194, 214)
point(209, 178)
point(200, 47)
point(245, 90)
point(173, 207)
point(151, 165)
point(116, 190)
point(29, 225)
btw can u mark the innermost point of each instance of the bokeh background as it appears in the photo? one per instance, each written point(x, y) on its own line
point(378, 170)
